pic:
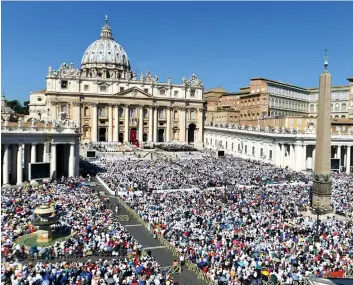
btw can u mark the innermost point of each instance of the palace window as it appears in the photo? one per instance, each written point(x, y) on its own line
point(162, 92)
point(121, 89)
point(39, 99)
point(344, 107)
point(192, 115)
point(146, 90)
point(103, 88)
point(63, 84)
point(192, 94)
point(312, 108)
point(337, 107)
point(86, 87)
point(176, 93)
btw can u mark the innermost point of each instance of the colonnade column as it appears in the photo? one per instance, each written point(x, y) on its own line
point(13, 163)
point(94, 129)
point(182, 125)
point(53, 161)
point(110, 123)
point(126, 123)
point(339, 155)
point(19, 165)
point(45, 152)
point(72, 161)
point(313, 157)
point(5, 167)
point(155, 121)
point(348, 168)
point(150, 124)
point(116, 121)
point(292, 156)
point(283, 155)
point(168, 124)
point(34, 153)
point(304, 160)
point(141, 124)
point(277, 153)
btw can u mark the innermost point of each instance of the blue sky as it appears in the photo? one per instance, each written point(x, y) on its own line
point(223, 43)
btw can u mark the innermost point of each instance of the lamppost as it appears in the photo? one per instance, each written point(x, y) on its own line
point(318, 211)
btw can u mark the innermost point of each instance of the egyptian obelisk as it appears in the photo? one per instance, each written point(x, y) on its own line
point(321, 192)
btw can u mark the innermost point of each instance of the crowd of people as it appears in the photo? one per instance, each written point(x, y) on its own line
point(248, 234)
point(161, 174)
point(91, 228)
point(239, 233)
point(175, 147)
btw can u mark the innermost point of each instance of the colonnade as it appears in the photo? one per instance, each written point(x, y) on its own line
point(296, 154)
point(16, 159)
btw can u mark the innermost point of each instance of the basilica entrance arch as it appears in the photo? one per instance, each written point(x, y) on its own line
point(191, 133)
point(132, 137)
point(160, 135)
point(103, 134)
point(121, 137)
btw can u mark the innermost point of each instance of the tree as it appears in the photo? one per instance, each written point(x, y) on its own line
point(18, 108)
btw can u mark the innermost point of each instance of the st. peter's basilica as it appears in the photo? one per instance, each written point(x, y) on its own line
point(111, 102)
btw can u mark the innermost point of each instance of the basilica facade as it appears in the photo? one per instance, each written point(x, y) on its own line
point(111, 102)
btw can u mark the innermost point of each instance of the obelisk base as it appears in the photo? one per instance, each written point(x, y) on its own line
point(321, 197)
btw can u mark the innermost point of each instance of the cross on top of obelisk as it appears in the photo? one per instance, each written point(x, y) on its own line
point(326, 60)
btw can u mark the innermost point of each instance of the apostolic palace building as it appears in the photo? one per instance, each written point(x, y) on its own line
point(111, 102)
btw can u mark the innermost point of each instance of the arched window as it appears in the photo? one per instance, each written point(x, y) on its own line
point(343, 116)
point(337, 107)
point(312, 108)
point(192, 115)
point(86, 111)
point(64, 108)
point(145, 113)
point(344, 107)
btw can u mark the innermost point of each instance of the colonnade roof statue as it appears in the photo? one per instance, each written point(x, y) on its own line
point(321, 192)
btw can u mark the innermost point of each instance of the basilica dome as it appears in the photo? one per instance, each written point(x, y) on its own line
point(105, 51)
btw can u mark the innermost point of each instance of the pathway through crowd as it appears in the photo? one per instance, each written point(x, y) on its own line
point(162, 255)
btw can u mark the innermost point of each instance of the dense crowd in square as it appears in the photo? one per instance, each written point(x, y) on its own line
point(239, 233)
point(94, 230)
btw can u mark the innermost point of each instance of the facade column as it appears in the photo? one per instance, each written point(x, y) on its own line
point(150, 124)
point(348, 168)
point(53, 161)
point(169, 121)
point(200, 126)
point(110, 123)
point(5, 167)
point(77, 108)
point(72, 161)
point(34, 153)
point(292, 157)
point(94, 129)
point(54, 110)
point(19, 165)
point(155, 121)
point(116, 121)
point(283, 155)
point(126, 124)
point(182, 125)
point(141, 124)
point(313, 157)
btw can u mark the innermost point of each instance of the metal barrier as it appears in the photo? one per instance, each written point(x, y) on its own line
point(172, 269)
point(123, 218)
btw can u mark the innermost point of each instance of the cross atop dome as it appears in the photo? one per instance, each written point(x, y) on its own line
point(106, 30)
